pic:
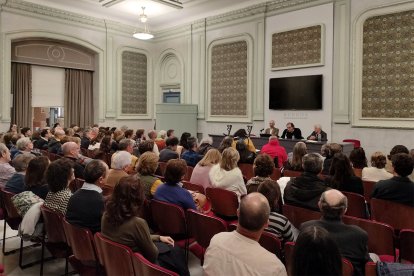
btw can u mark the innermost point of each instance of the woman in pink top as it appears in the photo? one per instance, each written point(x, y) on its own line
point(202, 169)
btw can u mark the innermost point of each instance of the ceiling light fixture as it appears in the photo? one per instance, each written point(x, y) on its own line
point(145, 34)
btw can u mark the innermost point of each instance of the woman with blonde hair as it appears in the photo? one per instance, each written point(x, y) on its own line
point(227, 175)
point(201, 171)
point(377, 170)
point(147, 165)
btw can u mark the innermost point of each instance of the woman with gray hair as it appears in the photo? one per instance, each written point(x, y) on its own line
point(119, 165)
point(6, 171)
point(205, 145)
point(16, 182)
point(22, 145)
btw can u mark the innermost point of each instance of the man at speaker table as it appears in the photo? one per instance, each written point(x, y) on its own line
point(318, 134)
point(272, 130)
point(291, 132)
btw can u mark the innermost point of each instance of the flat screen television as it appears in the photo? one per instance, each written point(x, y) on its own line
point(296, 93)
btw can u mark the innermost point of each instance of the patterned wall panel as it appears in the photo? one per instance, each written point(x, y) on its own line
point(229, 79)
point(134, 83)
point(387, 69)
point(297, 48)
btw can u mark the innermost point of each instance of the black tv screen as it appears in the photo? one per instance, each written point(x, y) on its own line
point(296, 93)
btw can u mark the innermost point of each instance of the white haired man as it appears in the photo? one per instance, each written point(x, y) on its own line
point(272, 130)
point(318, 134)
point(119, 167)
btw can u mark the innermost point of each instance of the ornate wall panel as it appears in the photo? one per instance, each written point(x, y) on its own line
point(134, 83)
point(297, 48)
point(229, 79)
point(387, 70)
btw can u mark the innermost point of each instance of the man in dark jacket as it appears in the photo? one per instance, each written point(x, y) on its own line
point(54, 145)
point(304, 191)
point(42, 142)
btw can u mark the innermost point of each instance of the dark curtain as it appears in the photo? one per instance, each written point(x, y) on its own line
point(21, 88)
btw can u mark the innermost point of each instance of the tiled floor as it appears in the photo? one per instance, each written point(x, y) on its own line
point(53, 267)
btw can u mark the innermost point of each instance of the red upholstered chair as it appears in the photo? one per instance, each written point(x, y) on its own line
point(370, 269)
point(115, 257)
point(357, 143)
point(289, 173)
point(203, 228)
point(347, 268)
point(368, 188)
point(76, 184)
point(298, 215)
point(223, 203)
point(397, 215)
point(271, 243)
point(357, 172)
point(144, 267)
point(276, 174)
point(193, 187)
point(81, 241)
point(380, 237)
point(356, 205)
point(11, 217)
point(407, 245)
point(247, 170)
point(54, 156)
point(188, 174)
point(56, 241)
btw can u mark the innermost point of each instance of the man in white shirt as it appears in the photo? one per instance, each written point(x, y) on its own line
point(238, 252)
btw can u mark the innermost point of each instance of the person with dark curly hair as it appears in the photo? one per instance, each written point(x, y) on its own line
point(121, 223)
point(395, 150)
point(263, 167)
point(58, 176)
point(358, 158)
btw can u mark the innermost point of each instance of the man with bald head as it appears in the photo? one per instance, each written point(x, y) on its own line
point(351, 239)
point(238, 252)
point(71, 151)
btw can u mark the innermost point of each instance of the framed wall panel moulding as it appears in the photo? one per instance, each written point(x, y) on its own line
point(297, 48)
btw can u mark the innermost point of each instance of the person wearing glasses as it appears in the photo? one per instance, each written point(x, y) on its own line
point(291, 132)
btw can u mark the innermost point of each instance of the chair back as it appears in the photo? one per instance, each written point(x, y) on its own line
point(290, 173)
point(161, 168)
point(356, 205)
point(107, 190)
point(356, 142)
point(188, 173)
point(380, 235)
point(115, 257)
point(289, 248)
point(397, 215)
point(223, 202)
point(76, 184)
point(298, 215)
point(193, 187)
point(53, 222)
point(357, 172)
point(169, 218)
point(368, 188)
point(370, 269)
point(144, 267)
point(203, 227)
point(407, 245)
point(347, 268)
point(81, 241)
point(10, 214)
point(247, 170)
point(271, 243)
point(276, 174)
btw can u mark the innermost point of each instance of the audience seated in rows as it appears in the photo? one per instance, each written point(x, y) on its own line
point(201, 171)
point(275, 150)
point(58, 176)
point(316, 253)
point(86, 206)
point(377, 170)
point(160, 140)
point(263, 168)
point(358, 158)
point(6, 170)
point(42, 142)
point(183, 145)
point(171, 191)
point(328, 151)
point(246, 156)
point(121, 223)
point(23, 145)
point(225, 143)
point(170, 151)
point(205, 145)
point(190, 156)
point(238, 252)
point(119, 168)
point(71, 151)
point(54, 145)
point(305, 190)
point(342, 177)
point(395, 150)
point(295, 162)
point(147, 165)
point(88, 135)
point(16, 183)
point(351, 239)
point(227, 175)
point(35, 178)
point(127, 145)
point(152, 135)
point(400, 188)
point(241, 134)
point(278, 223)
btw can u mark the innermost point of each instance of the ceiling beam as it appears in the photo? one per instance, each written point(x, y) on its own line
point(108, 3)
point(172, 3)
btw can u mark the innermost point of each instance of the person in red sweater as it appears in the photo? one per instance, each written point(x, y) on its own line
point(275, 150)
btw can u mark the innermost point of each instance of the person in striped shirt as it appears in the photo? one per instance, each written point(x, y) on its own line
point(278, 224)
